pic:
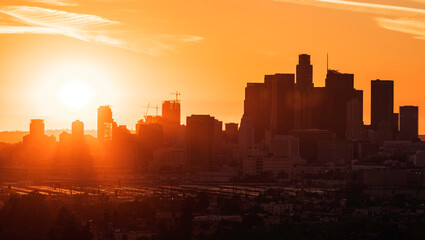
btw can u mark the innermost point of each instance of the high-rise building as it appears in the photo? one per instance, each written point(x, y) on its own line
point(78, 129)
point(339, 91)
point(37, 128)
point(257, 105)
point(170, 121)
point(282, 104)
point(246, 133)
point(171, 111)
point(382, 108)
point(200, 141)
point(105, 123)
point(409, 122)
point(304, 73)
point(354, 120)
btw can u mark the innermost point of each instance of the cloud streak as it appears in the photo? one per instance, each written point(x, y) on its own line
point(89, 28)
point(392, 17)
point(62, 3)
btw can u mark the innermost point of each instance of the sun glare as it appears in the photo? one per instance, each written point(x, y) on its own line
point(75, 95)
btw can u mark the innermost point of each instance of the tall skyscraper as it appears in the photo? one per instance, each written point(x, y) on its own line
point(409, 122)
point(257, 105)
point(171, 111)
point(354, 120)
point(382, 108)
point(246, 133)
point(200, 141)
point(78, 129)
point(339, 91)
point(282, 104)
point(37, 128)
point(105, 123)
point(170, 121)
point(304, 73)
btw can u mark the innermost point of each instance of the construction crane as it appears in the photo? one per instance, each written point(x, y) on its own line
point(157, 107)
point(177, 95)
point(147, 109)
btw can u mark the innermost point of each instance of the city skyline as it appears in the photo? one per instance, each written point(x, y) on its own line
point(204, 120)
point(286, 102)
point(203, 59)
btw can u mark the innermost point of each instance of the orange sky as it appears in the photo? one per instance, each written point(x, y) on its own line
point(130, 53)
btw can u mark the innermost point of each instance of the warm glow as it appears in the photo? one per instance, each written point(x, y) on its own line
point(75, 95)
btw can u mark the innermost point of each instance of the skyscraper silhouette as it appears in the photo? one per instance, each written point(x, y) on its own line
point(339, 91)
point(382, 108)
point(282, 111)
point(200, 141)
point(304, 73)
point(171, 121)
point(78, 129)
point(257, 107)
point(409, 122)
point(354, 120)
point(37, 128)
point(105, 123)
point(171, 112)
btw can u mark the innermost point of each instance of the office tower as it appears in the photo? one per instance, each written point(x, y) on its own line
point(354, 120)
point(304, 73)
point(246, 133)
point(171, 121)
point(382, 108)
point(171, 111)
point(104, 123)
point(37, 128)
point(339, 91)
point(200, 141)
point(282, 104)
point(78, 129)
point(409, 122)
point(257, 105)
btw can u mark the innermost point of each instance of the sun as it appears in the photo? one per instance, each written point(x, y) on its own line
point(75, 95)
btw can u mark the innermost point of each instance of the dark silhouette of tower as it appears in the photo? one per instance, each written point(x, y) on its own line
point(304, 92)
point(304, 73)
point(282, 104)
point(409, 122)
point(170, 121)
point(171, 112)
point(105, 123)
point(200, 141)
point(339, 91)
point(354, 120)
point(78, 129)
point(382, 108)
point(37, 128)
point(257, 105)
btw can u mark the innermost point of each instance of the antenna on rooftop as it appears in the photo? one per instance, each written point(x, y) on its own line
point(327, 62)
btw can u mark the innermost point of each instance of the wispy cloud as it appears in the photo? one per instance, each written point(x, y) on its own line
point(56, 2)
point(89, 28)
point(413, 27)
point(392, 17)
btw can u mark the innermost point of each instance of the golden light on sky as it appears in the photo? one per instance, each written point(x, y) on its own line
point(128, 53)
